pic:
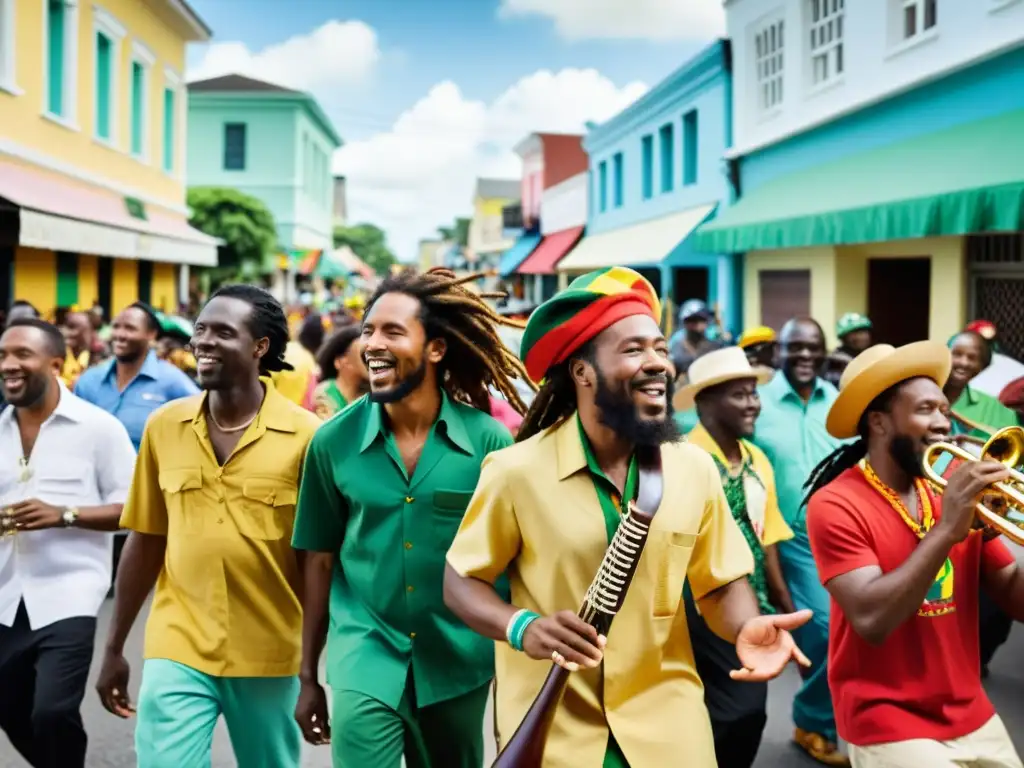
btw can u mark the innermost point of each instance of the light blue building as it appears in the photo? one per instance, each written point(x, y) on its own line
point(272, 143)
point(656, 173)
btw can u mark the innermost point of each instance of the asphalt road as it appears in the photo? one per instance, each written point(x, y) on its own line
point(111, 739)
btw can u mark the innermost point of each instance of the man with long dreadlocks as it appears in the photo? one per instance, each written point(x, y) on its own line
point(544, 511)
point(385, 486)
point(903, 566)
point(210, 513)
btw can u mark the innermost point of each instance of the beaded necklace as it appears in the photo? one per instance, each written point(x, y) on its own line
point(927, 513)
point(939, 600)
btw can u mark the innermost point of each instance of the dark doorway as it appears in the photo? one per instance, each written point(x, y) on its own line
point(785, 294)
point(689, 283)
point(144, 281)
point(105, 287)
point(899, 299)
point(6, 278)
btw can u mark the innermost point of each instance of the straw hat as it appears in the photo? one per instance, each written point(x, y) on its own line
point(718, 367)
point(876, 369)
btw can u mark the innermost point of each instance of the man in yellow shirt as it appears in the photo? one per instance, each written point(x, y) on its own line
point(723, 386)
point(211, 511)
point(544, 511)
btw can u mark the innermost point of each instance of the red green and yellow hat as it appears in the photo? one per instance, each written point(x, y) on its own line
point(591, 303)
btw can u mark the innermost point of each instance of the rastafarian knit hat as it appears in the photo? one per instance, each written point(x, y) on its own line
point(590, 304)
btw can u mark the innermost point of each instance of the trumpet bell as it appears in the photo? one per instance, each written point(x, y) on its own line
point(1002, 506)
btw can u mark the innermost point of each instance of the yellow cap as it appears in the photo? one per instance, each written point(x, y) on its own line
point(759, 335)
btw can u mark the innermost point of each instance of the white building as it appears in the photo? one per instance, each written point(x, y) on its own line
point(800, 63)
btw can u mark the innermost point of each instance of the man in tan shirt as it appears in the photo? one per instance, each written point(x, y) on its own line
point(544, 511)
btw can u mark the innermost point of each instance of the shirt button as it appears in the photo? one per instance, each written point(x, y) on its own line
point(408, 545)
point(410, 588)
point(412, 635)
point(409, 499)
point(220, 519)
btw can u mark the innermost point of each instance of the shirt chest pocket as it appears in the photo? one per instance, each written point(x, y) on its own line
point(268, 508)
point(182, 490)
point(64, 482)
point(668, 554)
point(448, 510)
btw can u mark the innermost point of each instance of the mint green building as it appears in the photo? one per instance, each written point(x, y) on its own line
point(270, 142)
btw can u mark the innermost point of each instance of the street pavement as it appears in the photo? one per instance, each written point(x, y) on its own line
point(110, 739)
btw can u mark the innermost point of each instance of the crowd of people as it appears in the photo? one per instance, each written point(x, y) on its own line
point(400, 489)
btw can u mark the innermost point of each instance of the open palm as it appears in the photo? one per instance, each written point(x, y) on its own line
point(765, 646)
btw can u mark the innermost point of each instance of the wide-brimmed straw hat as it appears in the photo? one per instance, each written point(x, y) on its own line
point(876, 369)
point(718, 367)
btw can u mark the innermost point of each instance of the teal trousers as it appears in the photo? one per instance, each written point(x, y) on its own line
point(366, 733)
point(812, 705)
point(179, 708)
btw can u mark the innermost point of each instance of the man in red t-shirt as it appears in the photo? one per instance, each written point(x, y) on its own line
point(903, 567)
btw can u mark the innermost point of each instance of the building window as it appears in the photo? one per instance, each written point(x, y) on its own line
point(602, 186)
point(104, 85)
point(768, 49)
point(61, 58)
point(826, 40)
point(7, 38)
point(647, 165)
point(138, 107)
point(169, 115)
point(617, 180)
point(690, 147)
point(919, 16)
point(234, 147)
point(666, 148)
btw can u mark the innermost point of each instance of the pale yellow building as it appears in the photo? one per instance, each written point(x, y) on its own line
point(92, 153)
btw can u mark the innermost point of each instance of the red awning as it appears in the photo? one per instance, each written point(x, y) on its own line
point(552, 249)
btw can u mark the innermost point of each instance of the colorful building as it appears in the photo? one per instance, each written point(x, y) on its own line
point(487, 241)
point(275, 144)
point(92, 146)
point(655, 175)
point(552, 165)
point(876, 170)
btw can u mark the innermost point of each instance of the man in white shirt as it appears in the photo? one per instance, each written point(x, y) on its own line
point(65, 469)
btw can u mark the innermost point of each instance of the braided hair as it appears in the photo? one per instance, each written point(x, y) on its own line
point(848, 455)
point(476, 358)
point(266, 320)
point(556, 399)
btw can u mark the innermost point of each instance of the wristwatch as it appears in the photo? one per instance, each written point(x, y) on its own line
point(70, 516)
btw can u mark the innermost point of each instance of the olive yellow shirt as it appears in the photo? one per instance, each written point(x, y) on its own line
point(226, 600)
point(535, 513)
point(764, 512)
point(294, 384)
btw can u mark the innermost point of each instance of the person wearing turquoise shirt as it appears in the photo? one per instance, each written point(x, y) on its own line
point(791, 431)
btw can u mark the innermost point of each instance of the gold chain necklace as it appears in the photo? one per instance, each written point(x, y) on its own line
point(927, 513)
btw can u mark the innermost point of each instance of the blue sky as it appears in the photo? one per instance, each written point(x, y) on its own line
point(429, 94)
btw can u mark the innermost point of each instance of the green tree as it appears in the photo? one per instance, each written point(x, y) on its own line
point(369, 243)
point(243, 222)
point(458, 233)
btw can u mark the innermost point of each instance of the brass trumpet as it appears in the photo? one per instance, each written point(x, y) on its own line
point(1002, 506)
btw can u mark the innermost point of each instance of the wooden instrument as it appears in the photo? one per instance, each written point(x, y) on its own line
point(603, 600)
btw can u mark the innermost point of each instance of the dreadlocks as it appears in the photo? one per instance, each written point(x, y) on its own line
point(848, 455)
point(476, 357)
point(556, 399)
point(266, 320)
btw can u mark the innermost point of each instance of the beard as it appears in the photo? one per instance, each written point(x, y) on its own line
point(404, 387)
point(36, 388)
point(908, 458)
point(617, 411)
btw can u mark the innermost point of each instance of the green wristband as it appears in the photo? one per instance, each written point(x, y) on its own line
point(522, 622)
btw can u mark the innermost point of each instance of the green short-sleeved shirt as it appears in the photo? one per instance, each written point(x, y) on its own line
point(392, 534)
point(982, 409)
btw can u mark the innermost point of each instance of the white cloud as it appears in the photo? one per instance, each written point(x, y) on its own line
point(421, 173)
point(337, 52)
point(618, 19)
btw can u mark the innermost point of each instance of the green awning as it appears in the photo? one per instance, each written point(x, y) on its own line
point(958, 181)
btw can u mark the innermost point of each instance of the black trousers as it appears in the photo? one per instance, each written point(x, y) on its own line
point(738, 710)
point(993, 628)
point(43, 674)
